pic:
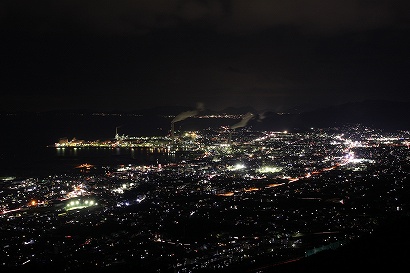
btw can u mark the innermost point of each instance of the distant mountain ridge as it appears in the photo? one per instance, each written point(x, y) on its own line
point(388, 115)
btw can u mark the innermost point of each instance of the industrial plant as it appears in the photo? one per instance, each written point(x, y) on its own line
point(227, 198)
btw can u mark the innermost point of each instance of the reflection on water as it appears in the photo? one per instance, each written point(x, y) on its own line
point(143, 154)
point(50, 160)
point(66, 152)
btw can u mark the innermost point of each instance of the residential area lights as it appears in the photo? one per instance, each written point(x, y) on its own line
point(264, 195)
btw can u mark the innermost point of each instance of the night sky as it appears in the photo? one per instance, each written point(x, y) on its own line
point(127, 55)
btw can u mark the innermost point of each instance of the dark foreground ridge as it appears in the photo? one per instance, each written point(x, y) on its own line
point(386, 249)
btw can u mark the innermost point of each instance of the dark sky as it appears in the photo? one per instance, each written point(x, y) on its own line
point(268, 54)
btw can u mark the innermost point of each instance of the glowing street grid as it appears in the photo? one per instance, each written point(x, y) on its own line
point(235, 198)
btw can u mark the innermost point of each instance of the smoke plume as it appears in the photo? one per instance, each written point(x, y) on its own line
point(188, 114)
point(185, 115)
point(243, 122)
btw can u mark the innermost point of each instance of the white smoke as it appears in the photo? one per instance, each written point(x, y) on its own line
point(185, 115)
point(262, 116)
point(243, 122)
point(188, 114)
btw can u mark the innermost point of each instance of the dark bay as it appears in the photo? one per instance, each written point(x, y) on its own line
point(49, 160)
point(26, 139)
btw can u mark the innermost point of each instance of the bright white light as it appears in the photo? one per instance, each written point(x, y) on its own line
point(269, 169)
point(238, 166)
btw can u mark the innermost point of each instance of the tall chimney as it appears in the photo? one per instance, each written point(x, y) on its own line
point(230, 137)
point(172, 130)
